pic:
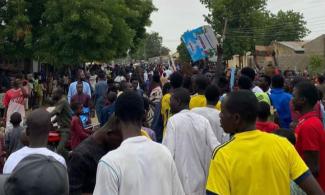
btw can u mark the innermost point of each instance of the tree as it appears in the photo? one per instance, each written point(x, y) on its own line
point(72, 32)
point(184, 56)
point(164, 51)
point(151, 46)
point(249, 23)
point(316, 64)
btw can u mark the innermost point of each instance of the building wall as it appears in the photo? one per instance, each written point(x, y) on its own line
point(316, 46)
point(293, 62)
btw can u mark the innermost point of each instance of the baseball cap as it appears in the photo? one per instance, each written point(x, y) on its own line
point(36, 175)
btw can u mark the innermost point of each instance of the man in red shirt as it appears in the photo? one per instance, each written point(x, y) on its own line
point(310, 131)
point(262, 122)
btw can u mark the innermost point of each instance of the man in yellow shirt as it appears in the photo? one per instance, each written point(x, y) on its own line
point(199, 100)
point(176, 81)
point(253, 162)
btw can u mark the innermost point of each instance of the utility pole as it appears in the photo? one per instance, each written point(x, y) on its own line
point(220, 67)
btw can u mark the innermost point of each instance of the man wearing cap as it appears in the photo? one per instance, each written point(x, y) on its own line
point(36, 175)
point(38, 125)
point(139, 166)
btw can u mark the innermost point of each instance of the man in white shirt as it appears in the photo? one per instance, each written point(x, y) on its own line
point(190, 139)
point(212, 114)
point(139, 166)
point(73, 86)
point(38, 125)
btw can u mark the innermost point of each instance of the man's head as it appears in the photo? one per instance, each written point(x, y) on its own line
point(37, 174)
point(134, 82)
point(245, 82)
point(15, 119)
point(263, 111)
point(176, 80)
point(81, 75)
point(102, 75)
point(212, 95)
point(201, 83)
point(125, 86)
point(80, 87)
point(38, 124)
point(111, 97)
point(239, 111)
point(249, 72)
point(57, 94)
point(179, 100)
point(129, 108)
point(264, 82)
point(305, 96)
point(277, 82)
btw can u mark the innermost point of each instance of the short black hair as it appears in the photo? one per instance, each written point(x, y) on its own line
point(263, 110)
point(277, 81)
point(183, 95)
point(244, 103)
point(249, 72)
point(176, 80)
point(244, 82)
point(212, 94)
point(15, 118)
point(134, 77)
point(166, 88)
point(267, 79)
point(156, 77)
point(309, 91)
point(129, 107)
point(101, 75)
point(201, 82)
point(289, 134)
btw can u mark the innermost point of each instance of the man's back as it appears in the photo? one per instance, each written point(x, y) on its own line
point(140, 167)
point(255, 162)
point(212, 114)
point(281, 101)
point(191, 141)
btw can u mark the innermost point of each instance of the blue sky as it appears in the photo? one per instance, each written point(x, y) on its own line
point(174, 17)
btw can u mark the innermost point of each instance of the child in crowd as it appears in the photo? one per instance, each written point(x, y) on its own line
point(263, 114)
point(13, 136)
point(78, 133)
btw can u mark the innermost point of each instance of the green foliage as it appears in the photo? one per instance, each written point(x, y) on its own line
point(249, 23)
point(316, 64)
point(150, 46)
point(72, 32)
point(184, 56)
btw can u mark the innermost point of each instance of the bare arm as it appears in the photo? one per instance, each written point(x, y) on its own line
point(312, 161)
point(310, 186)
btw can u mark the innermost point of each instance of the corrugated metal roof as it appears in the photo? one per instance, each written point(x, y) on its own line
point(295, 45)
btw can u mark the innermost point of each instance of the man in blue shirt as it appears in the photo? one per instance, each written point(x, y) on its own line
point(73, 86)
point(281, 101)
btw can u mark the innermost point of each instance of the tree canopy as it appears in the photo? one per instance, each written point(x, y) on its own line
point(151, 46)
point(249, 23)
point(72, 32)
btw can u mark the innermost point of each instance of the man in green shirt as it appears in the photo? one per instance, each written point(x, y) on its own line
point(63, 115)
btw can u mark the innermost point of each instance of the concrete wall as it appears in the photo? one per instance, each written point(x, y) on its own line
point(293, 62)
point(316, 46)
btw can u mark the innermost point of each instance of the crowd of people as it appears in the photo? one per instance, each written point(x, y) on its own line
point(161, 130)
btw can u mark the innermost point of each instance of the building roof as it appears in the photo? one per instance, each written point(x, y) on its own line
point(294, 45)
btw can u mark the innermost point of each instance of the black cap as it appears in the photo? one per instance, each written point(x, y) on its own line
point(36, 175)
